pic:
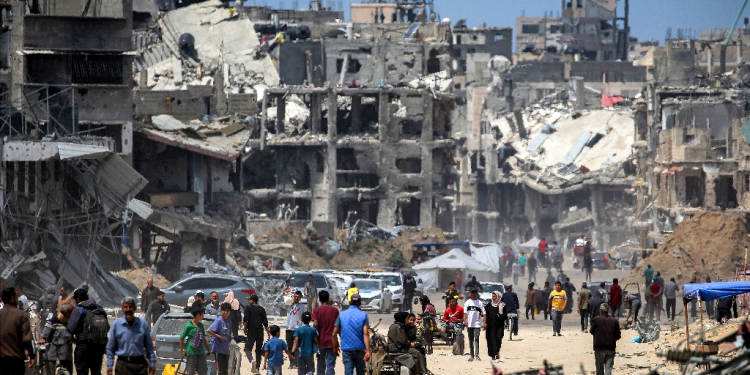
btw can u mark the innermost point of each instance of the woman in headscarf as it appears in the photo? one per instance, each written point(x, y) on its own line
point(401, 349)
point(494, 322)
point(236, 315)
point(411, 331)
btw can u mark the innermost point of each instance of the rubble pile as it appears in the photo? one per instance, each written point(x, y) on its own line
point(708, 244)
point(140, 276)
point(291, 247)
point(369, 250)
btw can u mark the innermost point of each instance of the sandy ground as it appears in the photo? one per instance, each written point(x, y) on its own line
point(535, 343)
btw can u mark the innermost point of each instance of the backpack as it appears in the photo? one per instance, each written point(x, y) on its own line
point(96, 327)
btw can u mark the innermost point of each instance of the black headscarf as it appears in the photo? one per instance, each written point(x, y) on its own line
point(400, 317)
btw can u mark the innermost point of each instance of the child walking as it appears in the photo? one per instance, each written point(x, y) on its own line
point(306, 340)
point(275, 348)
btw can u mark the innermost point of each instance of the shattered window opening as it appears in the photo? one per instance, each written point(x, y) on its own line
point(353, 67)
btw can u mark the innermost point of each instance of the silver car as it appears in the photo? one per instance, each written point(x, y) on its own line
point(178, 293)
point(166, 337)
point(375, 295)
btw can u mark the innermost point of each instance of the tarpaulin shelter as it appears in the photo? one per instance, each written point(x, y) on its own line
point(530, 244)
point(710, 292)
point(488, 254)
point(438, 272)
point(714, 291)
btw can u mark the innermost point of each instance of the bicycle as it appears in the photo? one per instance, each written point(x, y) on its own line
point(512, 318)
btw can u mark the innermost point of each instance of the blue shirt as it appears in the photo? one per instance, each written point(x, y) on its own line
point(351, 322)
point(221, 327)
point(130, 340)
point(307, 337)
point(275, 348)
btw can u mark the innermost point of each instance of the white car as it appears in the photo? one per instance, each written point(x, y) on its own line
point(375, 295)
point(393, 282)
point(488, 288)
point(339, 285)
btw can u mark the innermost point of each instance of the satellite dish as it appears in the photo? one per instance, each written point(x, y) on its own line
point(433, 17)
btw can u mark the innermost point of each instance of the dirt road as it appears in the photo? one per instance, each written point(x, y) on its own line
point(535, 343)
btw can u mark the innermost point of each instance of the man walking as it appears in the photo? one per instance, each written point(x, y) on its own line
point(583, 306)
point(531, 263)
point(473, 313)
point(294, 321)
point(311, 293)
point(256, 321)
point(653, 304)
point(130, 340)
point(89, 326)
point(693, 302)
point(530, 301)
point(670, 292)
point(556, 308)
point(15, 336)
point(148, 295)
point(410, 286)
point(353, 326)
point(615, 298)
point(157, 308)
point(324, 318)
point(648, 273)
point(542, 295)
point(522, 262)
point(550, 279)
point(662, 284)
point(606, 331)
point(569, 291)
point(594, 304)
point(510, 299)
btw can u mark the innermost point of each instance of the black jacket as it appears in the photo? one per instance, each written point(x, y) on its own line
point(510, 299)
point(255, 319)
point(727, 304)
point(606, 331)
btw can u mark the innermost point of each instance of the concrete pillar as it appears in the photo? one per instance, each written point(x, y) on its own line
point(473, 217)
point(331, 156)
point(383, 117)
point(280, 114)
point(315, 115)
point(427, 123)
point(263, 120)
point(196, 162)
point(135, 238)
point(426, 212)
point(387, 211)
point(356, 114)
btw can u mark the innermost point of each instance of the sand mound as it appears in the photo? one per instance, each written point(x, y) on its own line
point(140, 277)
point(713, 244)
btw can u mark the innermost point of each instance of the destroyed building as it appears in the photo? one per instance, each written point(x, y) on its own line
point(591, 28)
point(67, 144)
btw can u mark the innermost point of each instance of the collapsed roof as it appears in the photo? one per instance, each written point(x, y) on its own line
point(564, 147)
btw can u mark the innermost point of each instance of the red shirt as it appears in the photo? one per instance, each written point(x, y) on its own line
point(615, 293)
point(654, 290)
point(542, 246)
point(454, 316)
point(326, 317)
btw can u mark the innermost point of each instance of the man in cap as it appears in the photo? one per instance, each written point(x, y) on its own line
point(353, 325)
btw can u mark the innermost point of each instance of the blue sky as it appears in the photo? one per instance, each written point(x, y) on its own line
point(649, 18)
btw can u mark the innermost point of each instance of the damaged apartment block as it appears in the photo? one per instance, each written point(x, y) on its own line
point(380, 155)
point(66, 122)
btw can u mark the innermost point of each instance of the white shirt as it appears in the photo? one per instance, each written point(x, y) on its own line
point(474, 310)
point(24, 301)
point(294, 315)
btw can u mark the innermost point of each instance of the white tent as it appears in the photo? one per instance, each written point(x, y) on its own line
point(487, 253)
point(530, 244)
point(440, 271)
